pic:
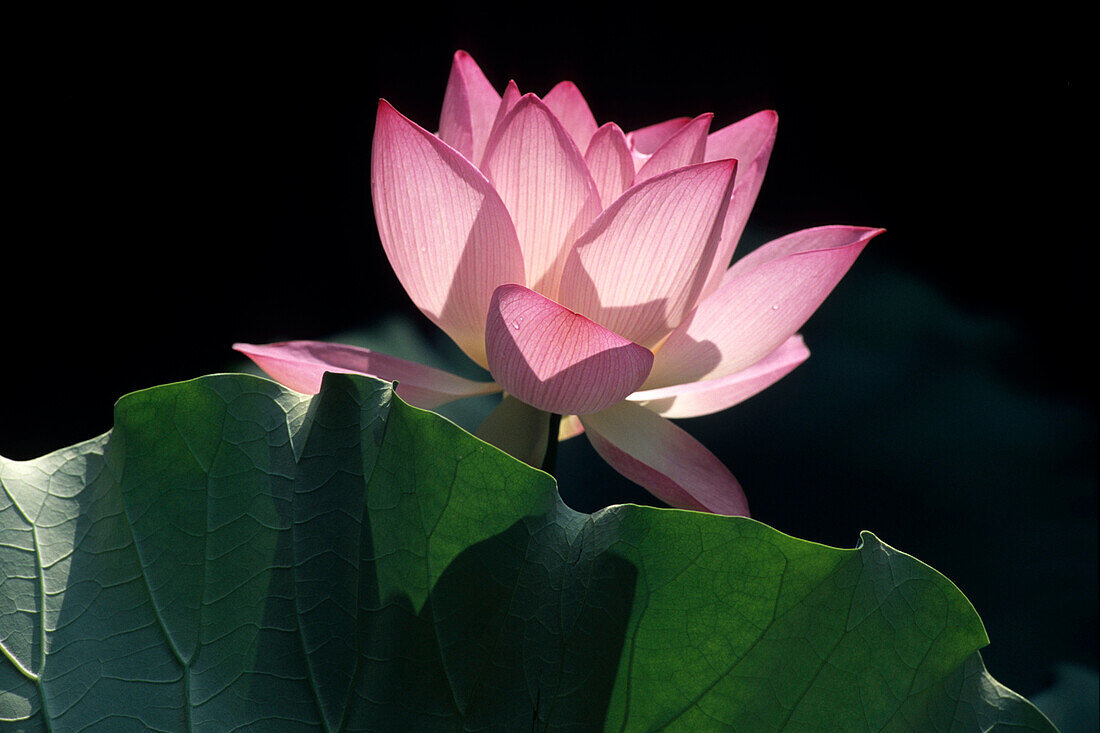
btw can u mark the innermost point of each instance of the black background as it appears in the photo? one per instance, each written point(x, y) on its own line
point(178, 183)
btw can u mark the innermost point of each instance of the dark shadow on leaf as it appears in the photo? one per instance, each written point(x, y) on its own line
point(517, 624)
point(526, 625)
point(522, 641)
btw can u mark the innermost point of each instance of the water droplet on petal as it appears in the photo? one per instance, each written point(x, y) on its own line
point(775, 307)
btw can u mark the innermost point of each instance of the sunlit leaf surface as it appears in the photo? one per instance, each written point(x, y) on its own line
point(237, 556)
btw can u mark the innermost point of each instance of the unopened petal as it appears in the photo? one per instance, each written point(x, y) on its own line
point(546, 185)
point(568, 105)
point(661, 457)
point(762, 300)
point(684, 147)
point(556, 360)
point(445, 230)
point(543, 179)
point(713, 395)
point(300, 365)
point(608, 158)
point(508, 100)
point(469, 107)
point(640, 267)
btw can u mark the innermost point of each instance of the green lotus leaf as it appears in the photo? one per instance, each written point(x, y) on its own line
point(233, 555)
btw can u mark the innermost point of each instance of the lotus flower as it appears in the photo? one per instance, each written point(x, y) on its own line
point(587, 270)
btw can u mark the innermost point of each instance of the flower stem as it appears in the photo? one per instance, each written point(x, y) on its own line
point(550, 462)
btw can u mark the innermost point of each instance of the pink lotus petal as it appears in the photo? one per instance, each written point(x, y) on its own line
point(640, 267)
point(556, 360)
point(570, 427)
point(509, 100)
point(542, 178)
point(749, 141)
point(762, 300)
point(445, 230)
point(469, 108)
point(652, 452)
point(647, 139)
point(644, 142)
point(744, 140)
point(608, 158)
point(684, 147)
point(300, 365)
point(712, 395)
point(568, 105)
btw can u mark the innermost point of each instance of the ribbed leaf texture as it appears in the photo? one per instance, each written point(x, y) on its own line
point(236, 556)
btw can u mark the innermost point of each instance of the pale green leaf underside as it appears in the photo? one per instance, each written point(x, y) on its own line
point(234, 556)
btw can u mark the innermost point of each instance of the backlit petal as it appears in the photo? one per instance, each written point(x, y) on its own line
point(750, 142)
point(542, 178)
point(645, 141)
point(570, 427)
point(640, 267)
point(568, 105)
point(712, 395)
point(746, 140)
point(762, 300)
point(670, 464)
point(469, 108)
point(445, 230)
point(507, 102)
point(300, 365)
point(684, 147)
point(556, 360)
point(608, 158)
